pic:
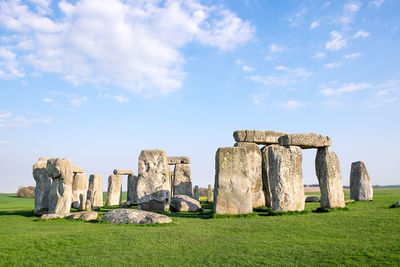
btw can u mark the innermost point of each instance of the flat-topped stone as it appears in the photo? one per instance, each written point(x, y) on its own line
point(360, 182)
point(185, 203)
point(305, 140)
point(77, 169)
point(120, 216)
point(123, 172)
point(178, 160)
point(258, 137)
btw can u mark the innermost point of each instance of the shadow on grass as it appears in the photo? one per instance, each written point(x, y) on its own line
point(25, 213)
point(325, 210)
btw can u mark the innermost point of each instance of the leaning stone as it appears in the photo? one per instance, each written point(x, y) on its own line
point(123, 172)
point(178, 160)
point(84, 215)
point(185, 203)
point(43, 186)
point(196, 193)
point(77, 169)
point(312, 199)
point(254, 164)
point(54, 216)
point(131, 196)
point(327, 168)
point(265, 169)
point(360, 183)
point(210, 194)
point(232, 192)
point(153, 186)
point(182, 180)
point(60, 170)
point(79, 187)
point(258, 137)
point(286, 178)
point(96, 190)
point(114, 192)
point(305, 140)
point(120, 216)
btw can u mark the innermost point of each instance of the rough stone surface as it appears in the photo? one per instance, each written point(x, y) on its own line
point(82, 202)
point(285, 178)
point(79, 186)
point(84, 215)
point(305, 140)
point(232, 192)
point(265, 169)
point(60, 196)
point(185, 203)
point(210, 194)
point(254, 166)
point(196, 192)
point(172, 180)
point(131, 197)
point(135, 216)
point(258, 137)
point(360, 183)
point(43, 185)
point(182, 180)
point(178, 160)
point(77, 169)
point(114, 192)
point(153, 187)
point(88, 205)
point(327, 168)
point(123, 172)
point(53, 216)
point(312, 199)
point(95, 191)
point(397, 204)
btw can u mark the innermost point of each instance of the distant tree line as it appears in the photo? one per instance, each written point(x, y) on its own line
point(26, 192)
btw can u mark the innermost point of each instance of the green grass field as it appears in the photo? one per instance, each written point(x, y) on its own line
point(368, 233)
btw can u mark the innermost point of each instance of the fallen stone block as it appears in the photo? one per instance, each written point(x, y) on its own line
point(84, 215)
point(305, 140)
point(54, 216)
point(185, 203)
point(120, 216)
point(312, 199)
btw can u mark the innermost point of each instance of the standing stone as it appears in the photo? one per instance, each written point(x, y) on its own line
point(153, 187)
point(327, 168)
point(210, 194)
point(79, 186)
point(286, 178)
point(60, 196)
point(182, 180)
point(88, 205)
point(232, 192)
point(131, 197)
point(43, 185)
point(196, 193)
point(265, 170)
point(82, 202)
point(172, 181)
point(360, 183)
point(254, 166)
point(114, 192)
point(95, 191)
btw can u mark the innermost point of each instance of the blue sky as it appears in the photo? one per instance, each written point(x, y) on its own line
point(98, 81)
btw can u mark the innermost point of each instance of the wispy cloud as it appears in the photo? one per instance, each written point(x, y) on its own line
point(336, 42)
point(296, 19)
point(376, 3)
point(332, 65)
point(292, 104)
point(345, 88)
point(119, 98)
point(352, 6)
point(4, 142)
point(78, 100)
point(274, 48)
point(47, 100)
point(314, 24)
point(247, 68)
point(388, 93)
point(361, 34)
point(319, 55)
point(352, 56)
point(284, 76)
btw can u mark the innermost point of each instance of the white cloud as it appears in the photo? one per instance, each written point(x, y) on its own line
point(352, 6)
point(4, 142)
point(4, 115)
point(136, 45)
point(361, 34)
point(119, 98)
point(388, 93)
point(376, 3)
point(319, 55)
point(352, 56)
point(78, 100)
point(269, 58)
point(284, 77)
point(314, 24)
point(47, 100)
point(292, 104)
point(337, 41)
point(9, 66)
point(247, 68)
point(274, 48)
point(345, 88)
point(332, 65)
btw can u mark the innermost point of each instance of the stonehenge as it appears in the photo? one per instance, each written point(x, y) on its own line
point(43, 185)
point(196, 193)
point(305, 140)
point(181, 178)
point(114, 191)
point(360, 183)
point(131, 196)
point(95, 191)
point(210, 194)
point(79, 187)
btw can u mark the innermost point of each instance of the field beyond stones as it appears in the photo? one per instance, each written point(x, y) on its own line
point(368, 233)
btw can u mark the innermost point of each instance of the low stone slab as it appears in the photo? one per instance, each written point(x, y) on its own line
point(53, 216)
point(312, 199)
point(185, 203)
point(84, 215)
point(123, 172)
point(258, 137)
point(120, 216)
point(360, 183)
point(178, 160)
point(77, 169)
point(305, 140)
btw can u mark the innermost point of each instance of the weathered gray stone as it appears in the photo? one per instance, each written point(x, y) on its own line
point(258, 137)
point(360, 183)
point(54, 216)
point(172, 180)
point(77, 169)
point(153, 187)
point(305, 140)
point(210, 194)
point(95, 191)
point(84, 215)
point(79, 186)
point(185, 203)
point(60, 196)
point(196, 192)
point(123, 172)
point(135, 216)
point(178, 160)
point(114, 191)
point(232, 192)
point(43, 185)
point(265, 169)
point(254, 166)
point(131, 197)
point(285, 178)
point(88, 205)
point(182, 180)
point(327, 168)
point(312, 199)
point(82, 202)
